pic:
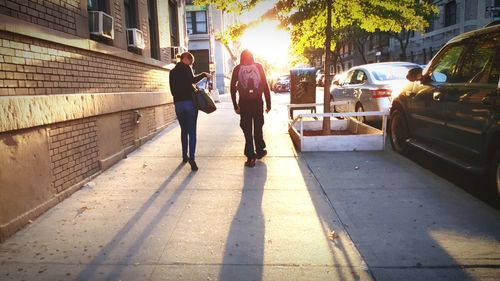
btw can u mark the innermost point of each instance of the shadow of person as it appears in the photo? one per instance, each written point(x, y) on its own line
point(115, 247)
point(244, 249)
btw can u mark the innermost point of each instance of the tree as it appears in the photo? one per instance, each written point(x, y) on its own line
point(311, 53)
point(311, 22)
point(422, 9)
point(360, 37)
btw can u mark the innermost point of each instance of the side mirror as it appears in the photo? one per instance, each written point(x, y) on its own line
point(414, 74)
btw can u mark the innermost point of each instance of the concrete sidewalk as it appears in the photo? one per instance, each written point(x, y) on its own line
point(150, 218)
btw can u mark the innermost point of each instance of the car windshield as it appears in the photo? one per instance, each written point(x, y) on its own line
point(387, 73)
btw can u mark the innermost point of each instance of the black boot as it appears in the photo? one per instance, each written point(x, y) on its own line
point(194, 167)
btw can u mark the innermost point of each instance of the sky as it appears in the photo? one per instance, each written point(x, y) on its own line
point(266, 39)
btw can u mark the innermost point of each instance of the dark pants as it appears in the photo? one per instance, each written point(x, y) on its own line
point(187, 116)
point(251, 122)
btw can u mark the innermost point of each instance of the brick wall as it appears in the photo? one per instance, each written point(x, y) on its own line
point(55, 14)
point(127, 128)
point(117, 15)
point(73, 152)
point(34, 67)
point(42, 72)
point(169, 113)
point(149, 116)
point(166, 55)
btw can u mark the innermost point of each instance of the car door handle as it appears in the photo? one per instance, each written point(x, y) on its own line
point(437, 96)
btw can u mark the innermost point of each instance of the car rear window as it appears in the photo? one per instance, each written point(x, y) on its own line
point(391, 73)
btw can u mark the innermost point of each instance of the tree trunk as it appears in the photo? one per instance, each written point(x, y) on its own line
point(404, 39)
point(326, 96)
point(360, 46)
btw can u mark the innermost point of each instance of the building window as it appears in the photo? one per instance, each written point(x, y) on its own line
point(431, 25)
point(130, 13)
point(470, 10)
point(383, 39)
point(174, 27)
point(131, 21)
point(153, 30)
point(97, 5)
point(196, 22)
point(450, 13)
point(496, 13)
point(100, 28)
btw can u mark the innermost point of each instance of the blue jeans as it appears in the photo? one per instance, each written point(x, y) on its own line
point(187, 115)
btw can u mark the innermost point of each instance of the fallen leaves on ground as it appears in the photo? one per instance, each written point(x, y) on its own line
point(333, 235)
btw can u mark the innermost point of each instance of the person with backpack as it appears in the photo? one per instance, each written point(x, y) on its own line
point(249, 80)
point(181, 86)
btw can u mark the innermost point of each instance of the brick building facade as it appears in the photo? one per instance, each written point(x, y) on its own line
point(72, 103)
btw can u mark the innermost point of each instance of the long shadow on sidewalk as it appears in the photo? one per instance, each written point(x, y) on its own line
point(341, 248)
point(398, 239)
point(89, 272)
point(244, 251)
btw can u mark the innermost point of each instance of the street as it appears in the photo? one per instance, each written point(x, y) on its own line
point(150, 218)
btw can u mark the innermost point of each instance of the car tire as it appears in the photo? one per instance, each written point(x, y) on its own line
point(399, 133)
point(495, 174)
point(359, 108)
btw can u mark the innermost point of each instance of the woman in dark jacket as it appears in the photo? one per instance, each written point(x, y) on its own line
point(182, 88)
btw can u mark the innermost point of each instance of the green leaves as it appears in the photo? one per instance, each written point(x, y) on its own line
point(232, 34)
point(306, 19)
point(231, 6)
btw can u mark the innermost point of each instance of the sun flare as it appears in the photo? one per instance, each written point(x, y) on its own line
point(266, 40)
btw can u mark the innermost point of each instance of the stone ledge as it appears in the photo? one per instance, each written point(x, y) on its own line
point(20, 112)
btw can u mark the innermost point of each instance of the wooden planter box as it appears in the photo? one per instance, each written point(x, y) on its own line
point(348, 134)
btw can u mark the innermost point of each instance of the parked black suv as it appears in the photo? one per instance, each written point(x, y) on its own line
point(452, 108)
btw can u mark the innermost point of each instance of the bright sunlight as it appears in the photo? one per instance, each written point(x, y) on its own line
point(266, 40)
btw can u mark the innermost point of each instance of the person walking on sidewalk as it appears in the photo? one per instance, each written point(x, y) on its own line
point(249, 80)
point(182, 88)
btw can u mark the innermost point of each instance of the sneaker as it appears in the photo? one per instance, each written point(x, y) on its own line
point(250, 162)
point(185, 159)
point(194, 167)
point(261, 154)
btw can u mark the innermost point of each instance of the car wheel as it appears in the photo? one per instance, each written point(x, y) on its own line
point(359, 108)
point(495, 174)
point(399, 132)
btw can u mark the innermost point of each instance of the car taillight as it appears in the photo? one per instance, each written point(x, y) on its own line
point(380, 93)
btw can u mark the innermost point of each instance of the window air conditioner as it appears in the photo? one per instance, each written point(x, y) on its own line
point(174, 51)
point(101, 24)
point(135, 38)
